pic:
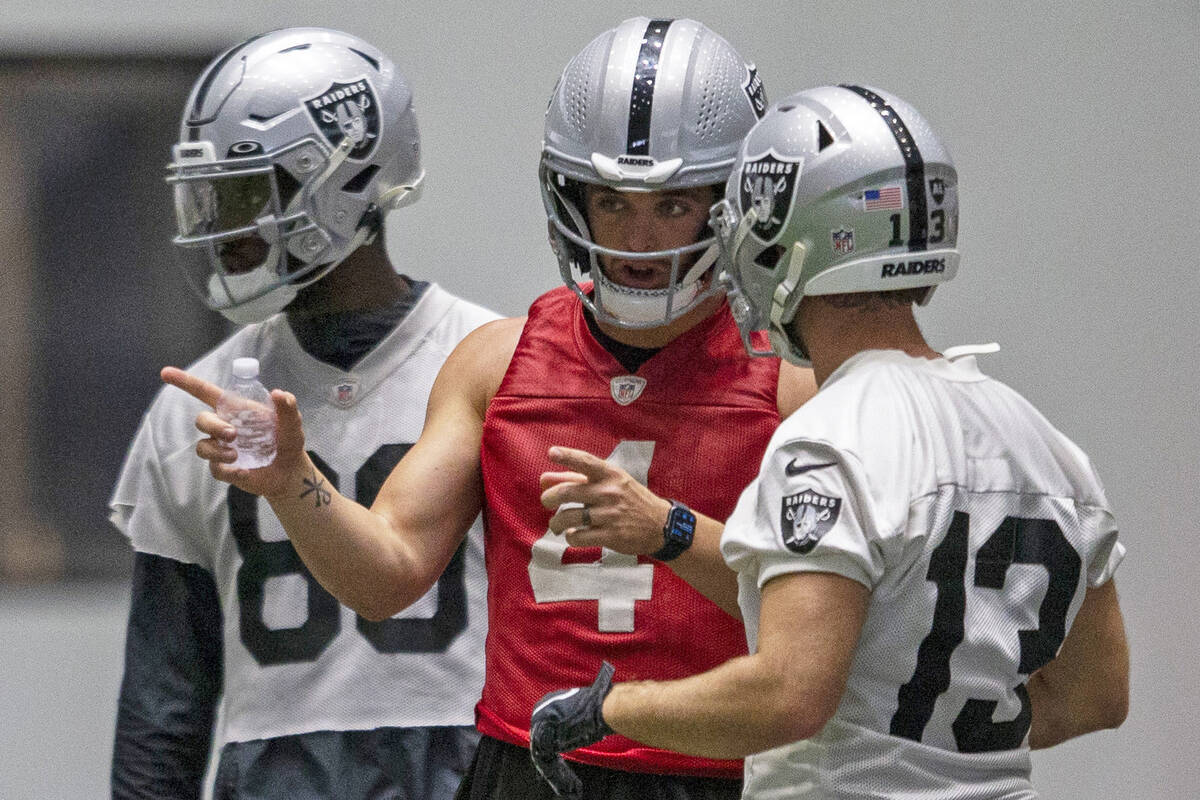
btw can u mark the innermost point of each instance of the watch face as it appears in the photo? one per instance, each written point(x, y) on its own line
point(682, 525)
point(677, 533)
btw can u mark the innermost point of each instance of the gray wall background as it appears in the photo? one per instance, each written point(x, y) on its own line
point(1074, 127)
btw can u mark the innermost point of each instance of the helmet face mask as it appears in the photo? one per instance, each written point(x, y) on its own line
point(292, 146)
point(651, 105)
point(839, 189)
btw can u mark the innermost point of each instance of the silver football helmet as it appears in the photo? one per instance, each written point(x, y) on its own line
point(837, 189)
point(292, 147)
point(649, 105)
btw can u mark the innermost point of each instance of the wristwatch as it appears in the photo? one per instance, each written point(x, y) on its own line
point(677, 533)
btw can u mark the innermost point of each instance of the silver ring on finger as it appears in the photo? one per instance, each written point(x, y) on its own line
point(587, 517)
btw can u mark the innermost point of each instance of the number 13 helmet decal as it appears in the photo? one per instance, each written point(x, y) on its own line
point(649, 105)
point(837, 189)
point(292, 146)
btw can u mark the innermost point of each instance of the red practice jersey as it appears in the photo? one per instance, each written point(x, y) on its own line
point(692, 424)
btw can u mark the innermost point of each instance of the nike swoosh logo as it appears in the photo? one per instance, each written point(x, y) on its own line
point(793, 470)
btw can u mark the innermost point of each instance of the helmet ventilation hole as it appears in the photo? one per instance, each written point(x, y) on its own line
point(769, 257)
point(373, 62)
point(824, 137)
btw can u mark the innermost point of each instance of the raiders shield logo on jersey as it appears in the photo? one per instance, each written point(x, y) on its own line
point(348, 110)
point(805, 517)
point(766, 185)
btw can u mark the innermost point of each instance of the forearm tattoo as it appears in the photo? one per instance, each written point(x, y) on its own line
point(316, 487)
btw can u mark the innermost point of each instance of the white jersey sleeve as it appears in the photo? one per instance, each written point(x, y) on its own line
point(807, 492)
point(164, 500)
point(977, 527)
point(296, 660)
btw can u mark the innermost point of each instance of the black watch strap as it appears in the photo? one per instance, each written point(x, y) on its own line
point(677, 533)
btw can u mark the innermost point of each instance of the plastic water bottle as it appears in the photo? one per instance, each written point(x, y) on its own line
point(246, 404)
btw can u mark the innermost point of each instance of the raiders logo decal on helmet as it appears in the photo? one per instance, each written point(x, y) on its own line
point(347, 109)
point(805, 517)
point(766, 185)
point(937, 189)
point(753, 87)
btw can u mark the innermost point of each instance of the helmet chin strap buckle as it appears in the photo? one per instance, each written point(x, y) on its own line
point(787, 286)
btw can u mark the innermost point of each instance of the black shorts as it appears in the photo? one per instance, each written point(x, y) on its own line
point(502, 771)
point(391, 763)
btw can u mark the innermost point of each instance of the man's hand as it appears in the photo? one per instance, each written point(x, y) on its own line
point(604, 505)
point(566, 720)
point(218, 449)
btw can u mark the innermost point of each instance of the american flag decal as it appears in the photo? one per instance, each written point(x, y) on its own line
point(887, 197)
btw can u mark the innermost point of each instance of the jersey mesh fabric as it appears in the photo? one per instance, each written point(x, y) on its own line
point(696, 434)
point(297, 661)
point(977, 526)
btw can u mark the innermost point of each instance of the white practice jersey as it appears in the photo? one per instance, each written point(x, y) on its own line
point(295, 659)
point(978, 528)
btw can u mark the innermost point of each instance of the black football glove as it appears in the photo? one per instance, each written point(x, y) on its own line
point(566, 720)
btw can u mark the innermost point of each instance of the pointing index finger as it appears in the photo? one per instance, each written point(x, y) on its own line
point(580, 461)
point(197, 387)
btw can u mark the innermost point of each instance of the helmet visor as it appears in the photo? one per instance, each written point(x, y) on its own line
point(217, 204)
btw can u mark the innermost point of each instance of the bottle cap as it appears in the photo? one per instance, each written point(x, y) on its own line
point(245, 368)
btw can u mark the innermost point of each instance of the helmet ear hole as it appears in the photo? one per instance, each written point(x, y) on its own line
point(769, 258)
point(360, 181)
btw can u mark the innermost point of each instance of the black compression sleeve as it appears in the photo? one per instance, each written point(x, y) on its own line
point(173, 678)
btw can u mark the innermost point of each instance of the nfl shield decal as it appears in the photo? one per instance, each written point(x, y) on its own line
point(843, 241)
point(347, 110)
point(766, 185)
point(344, 394)
point(805, 517)
point(626, 388)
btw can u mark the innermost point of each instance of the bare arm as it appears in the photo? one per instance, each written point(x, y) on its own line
point(1086, 687)
point(786, 691)
point(382, 559)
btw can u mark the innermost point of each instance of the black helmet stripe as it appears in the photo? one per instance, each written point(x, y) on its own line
point(641, 99)
point(914, 167)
